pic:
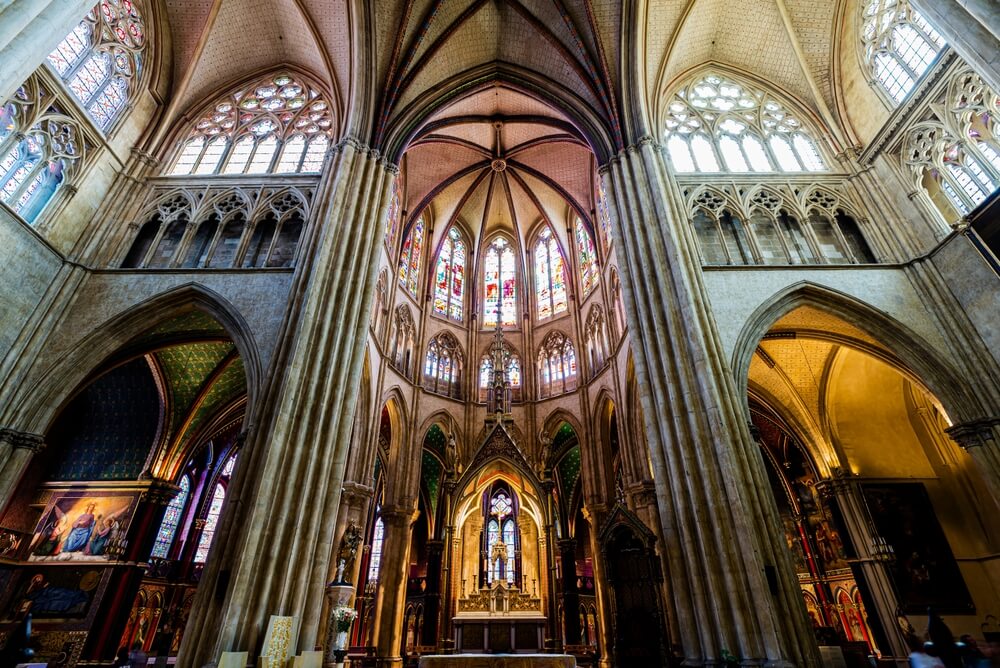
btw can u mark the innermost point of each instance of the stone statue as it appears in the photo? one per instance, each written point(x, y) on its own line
point(348, 551)
point(545, 452)
point(451, 454)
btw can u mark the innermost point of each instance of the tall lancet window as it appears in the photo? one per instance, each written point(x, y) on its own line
point(556, 365)
point(550, 276)
point(717, 124)
point(214, 511)
point(378, 535)
point(500, 284)
point(409, 257)
point(449, 277)
point(513, 373)
point(443, 365)
point(502, 538)
point(101, 59)
point(171, 520)
point(587, 257)
point(899, 45)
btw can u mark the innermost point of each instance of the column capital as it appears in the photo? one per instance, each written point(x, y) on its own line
point(355, 493)
point(22, 439)
point(159, 493)
point(975, 433)
point(399, 514)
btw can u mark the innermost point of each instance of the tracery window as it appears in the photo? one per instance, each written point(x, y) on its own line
point(956, 152)
point(513, 373)
point(449, 277)
point(550, 276)
point(392, 216)
point(557, 371)
point(100, 60)
point(40, 148)
point(899, 45)
point(443, 365)
point(378, 536)
point(596, 340)
point(500, 283)
point(171, 520)
point(587, 256)
point(716, 124)
point(402, 339)
point(277, 125)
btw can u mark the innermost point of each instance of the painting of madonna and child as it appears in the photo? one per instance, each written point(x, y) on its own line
point(79, 527)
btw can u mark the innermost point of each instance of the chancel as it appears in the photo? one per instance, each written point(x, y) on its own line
point(513, 334)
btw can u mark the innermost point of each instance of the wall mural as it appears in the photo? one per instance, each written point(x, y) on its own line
point(925, 571)
point(80, 527)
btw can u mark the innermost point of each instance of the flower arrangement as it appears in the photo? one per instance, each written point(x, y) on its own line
point(344, 616)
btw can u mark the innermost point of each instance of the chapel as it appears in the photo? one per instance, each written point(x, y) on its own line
point(612, 333)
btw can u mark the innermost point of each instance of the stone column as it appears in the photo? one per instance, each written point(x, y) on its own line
point(596, 513)
point(981, 439)
point(971, 28)
point(449, 575)
point(29, 31)
point(869, 562)
point(390, 601)
point(432, 595)
point(16, 451)
point(552, 625)
point(570, 595)
point(273, 551)
point(731, 575)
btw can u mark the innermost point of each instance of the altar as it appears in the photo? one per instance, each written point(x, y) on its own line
point(499, 619)
point(499, 661)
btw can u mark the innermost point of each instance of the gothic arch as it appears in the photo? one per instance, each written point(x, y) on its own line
point(916, 356)
point(38, 407)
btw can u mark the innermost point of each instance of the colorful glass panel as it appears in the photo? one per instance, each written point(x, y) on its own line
point(449, 278)
point(393, 214)
point(550, 276)
point(171, 520)
point(500, 280)
point(409, 257)
point(603, 214)
point(211, 522)
point(589, 272)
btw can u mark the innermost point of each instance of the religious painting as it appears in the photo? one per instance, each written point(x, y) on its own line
point(77, 526)
point(924, 569)
point(56, 593)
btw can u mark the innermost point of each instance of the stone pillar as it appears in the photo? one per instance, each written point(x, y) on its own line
point(432, 595)
point(731, 575)
point(981, 439)
point(570, 595)
point(390, 602)
point(552, 625)
point(275, 541)
point(971, 28)
point(869, 563)
point(596, 513)
point(16, 451)
point(449, 575)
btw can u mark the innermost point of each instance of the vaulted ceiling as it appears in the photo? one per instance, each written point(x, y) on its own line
point(391, 64)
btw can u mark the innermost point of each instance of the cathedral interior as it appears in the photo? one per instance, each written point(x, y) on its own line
point(640, 332)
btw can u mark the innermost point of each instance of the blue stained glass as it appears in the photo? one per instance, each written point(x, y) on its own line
point(171, 520)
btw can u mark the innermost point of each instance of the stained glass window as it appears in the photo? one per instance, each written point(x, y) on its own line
point(500, 276)
point(603, 215)
point(899, 45)
point(501, 527)
point(227, 470)
point(277, 125)
point(409, 257)
point(40, 145)
point(449, 278)
point(375, 562)
point(443, 365)
point(392, 216)
point(556, 365)
point(171, 520)
point(717, 124)
point(550, 276)
point(211, 523)
point(589, 271)
point(513, 372)
point(101, 58)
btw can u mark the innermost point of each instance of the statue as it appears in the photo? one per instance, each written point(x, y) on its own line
point(451, 455)
point(544, 453)
point(348, 551)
